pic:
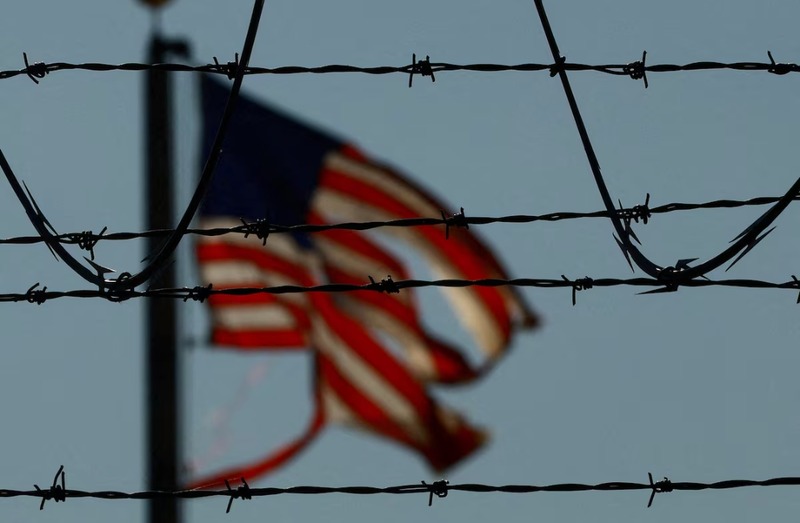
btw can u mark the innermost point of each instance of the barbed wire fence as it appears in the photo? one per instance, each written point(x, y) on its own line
point(58, 491)
point(636, 70)
point(660, 278)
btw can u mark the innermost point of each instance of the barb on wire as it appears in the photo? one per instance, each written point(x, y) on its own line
point(422, 68)
point(636, 70)
point(34, 295)
point(230, 69)
point(387, 285)
point(580, 284)
point(439, 488)
point(242, 491)
point(796, 285)
point(665, 485)
point(779, 69)
point(86, 240)
point(669, 281)
point(36, 70)
point(261, 229)
point(199, 293)
point(458, 219)
point(56, 492)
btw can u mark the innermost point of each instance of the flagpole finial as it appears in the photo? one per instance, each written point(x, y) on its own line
point(155, 9)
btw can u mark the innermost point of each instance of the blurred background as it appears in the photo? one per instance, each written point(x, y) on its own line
point(698, 385)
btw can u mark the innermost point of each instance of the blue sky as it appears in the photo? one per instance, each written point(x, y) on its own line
point(696, 385)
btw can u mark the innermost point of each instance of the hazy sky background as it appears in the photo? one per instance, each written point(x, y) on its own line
point(699, 385)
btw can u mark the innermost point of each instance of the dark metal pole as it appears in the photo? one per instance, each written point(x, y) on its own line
point(163, 406)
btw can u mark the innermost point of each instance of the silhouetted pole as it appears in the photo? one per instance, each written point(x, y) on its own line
point(162, 370)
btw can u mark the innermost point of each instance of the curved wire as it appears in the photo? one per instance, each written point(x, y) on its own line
point(677, 274)
point(126, 280)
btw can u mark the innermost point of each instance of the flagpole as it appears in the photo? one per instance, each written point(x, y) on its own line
point(162, 360)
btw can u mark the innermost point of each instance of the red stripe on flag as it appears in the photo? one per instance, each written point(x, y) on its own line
point(442, 447)
point(369, 414)
point(262, 258)
point(260, 339)
point(471, 238)
point(450, 365)
point(298, 312)
point(459, 256)
point(372, 353)
point(357, 242)
point(266, 465)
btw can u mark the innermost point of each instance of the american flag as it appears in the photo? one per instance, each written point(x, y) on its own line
point(276, 168)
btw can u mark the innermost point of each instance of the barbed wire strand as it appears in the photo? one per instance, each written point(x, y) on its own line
point(440, 488)
point(87, 240)
point(236, 70)
point(38, 295)
point(636, 70)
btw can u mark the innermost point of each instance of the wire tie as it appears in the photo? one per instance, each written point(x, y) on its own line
point(56, 492)
point(386, 285)
point(779, 68)
point(669, 275)
point(581, 284)
point(259, 228)
point(86, 240)
point(439, 488)
point(119, 295)
point(423, 68)
point(665, 485)
point(199, 293)
point(642, 212)
point(458, 219)
point(242, 491)
point(558, 66)
point(230, 69)
point(637, 70)
point(36, 296)
point(35, 70)
point(627, 216)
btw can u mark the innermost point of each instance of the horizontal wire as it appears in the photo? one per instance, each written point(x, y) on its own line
point(439, 488)
point(87, 239)
point(669, 283)
point(635, 69)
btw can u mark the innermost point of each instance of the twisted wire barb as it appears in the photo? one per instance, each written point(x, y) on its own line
point(87, 240)
point(438, 488)
point(635, 70)
point(199, 293)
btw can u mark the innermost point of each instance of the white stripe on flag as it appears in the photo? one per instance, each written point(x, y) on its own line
point(345, 259)
point(375, 176)
point(281, 245)
point(230, 273)
point(335, 409)
point(471, 311)
point(367, 380)
point(253, 317)
point(418, 357)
